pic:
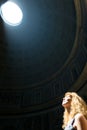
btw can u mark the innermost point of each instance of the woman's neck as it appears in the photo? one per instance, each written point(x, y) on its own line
point(68, 110)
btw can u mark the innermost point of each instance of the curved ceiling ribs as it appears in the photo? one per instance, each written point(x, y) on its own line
point(42, 95)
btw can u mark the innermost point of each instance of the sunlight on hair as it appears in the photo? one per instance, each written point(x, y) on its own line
point(11, 13)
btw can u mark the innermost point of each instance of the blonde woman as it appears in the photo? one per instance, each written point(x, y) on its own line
point(75, 112)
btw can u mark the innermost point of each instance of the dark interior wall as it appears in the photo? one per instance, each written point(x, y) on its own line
point(47, 121)
point(83, 91)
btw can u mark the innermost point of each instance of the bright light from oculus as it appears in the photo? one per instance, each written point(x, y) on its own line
point(11, 13)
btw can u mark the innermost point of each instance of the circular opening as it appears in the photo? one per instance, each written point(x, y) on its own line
point(11, 13)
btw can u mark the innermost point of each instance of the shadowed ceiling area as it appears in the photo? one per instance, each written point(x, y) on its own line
point(41, 45)
point(43, 57)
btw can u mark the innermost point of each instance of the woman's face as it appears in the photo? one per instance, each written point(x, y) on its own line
point(66, 101)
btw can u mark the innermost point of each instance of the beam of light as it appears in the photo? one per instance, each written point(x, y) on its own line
point(11, 13)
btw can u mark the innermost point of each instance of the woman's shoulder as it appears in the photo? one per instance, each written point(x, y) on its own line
point(80, 121)
point(80, 117)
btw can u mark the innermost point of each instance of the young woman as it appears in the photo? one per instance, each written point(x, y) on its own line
point(75, 112)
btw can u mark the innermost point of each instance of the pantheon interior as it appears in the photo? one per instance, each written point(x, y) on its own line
point(41, 59)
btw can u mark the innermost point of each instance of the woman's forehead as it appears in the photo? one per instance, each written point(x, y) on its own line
point(68, 95)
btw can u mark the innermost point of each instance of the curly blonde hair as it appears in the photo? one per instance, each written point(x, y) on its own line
point(78, 105)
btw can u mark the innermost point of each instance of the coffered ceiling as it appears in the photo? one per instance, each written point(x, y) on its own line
point(43, 57)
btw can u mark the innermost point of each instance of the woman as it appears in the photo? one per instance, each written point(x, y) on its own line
point(75, 112)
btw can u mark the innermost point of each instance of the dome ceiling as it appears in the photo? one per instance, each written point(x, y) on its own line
point(41, 45)
point(43, 57)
